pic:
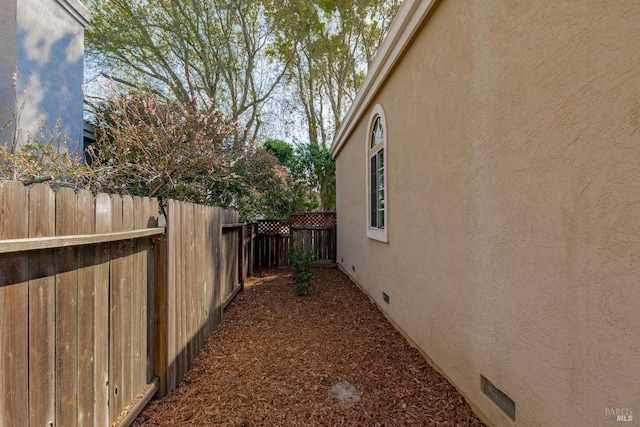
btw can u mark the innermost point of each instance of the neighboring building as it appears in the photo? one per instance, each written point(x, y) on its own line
point(42, 43)
point(488, 188)
point(88, 138)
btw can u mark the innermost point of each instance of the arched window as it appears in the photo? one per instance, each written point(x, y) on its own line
point(376, 176)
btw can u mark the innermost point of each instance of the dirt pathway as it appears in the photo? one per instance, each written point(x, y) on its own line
point(283, 360)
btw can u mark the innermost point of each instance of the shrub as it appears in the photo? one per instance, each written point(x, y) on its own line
point(148, 146)
point(302, 274)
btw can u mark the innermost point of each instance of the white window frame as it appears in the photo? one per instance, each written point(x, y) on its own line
point(377, 233)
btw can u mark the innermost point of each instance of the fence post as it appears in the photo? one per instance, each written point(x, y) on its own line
point(160, 310)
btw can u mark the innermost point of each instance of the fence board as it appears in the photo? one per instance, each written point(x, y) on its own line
point(116, 312)
point(128, 392)
point(66, 288)
point(215, 236)
point(14, 296)
point(42, 310)
point(209, 262)
point(139, 323)
point(201, 276)
point(161, 331)
point(194, 292)
point(182, 299)
point(102, 322)
point(153, 265)
point(86, 324)
point(173, 266)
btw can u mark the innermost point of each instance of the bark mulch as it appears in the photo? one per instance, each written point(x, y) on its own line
point(276, 356)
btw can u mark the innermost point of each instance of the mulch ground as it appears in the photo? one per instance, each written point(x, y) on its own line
point(276, 356)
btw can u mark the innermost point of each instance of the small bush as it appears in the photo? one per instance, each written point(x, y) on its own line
point(302, 274)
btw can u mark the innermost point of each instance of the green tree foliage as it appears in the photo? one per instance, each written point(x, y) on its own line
point(210, 54)
point(236, 55)
point(281, 149)
point(239, 58)
point(336, 41)
point(311, 172)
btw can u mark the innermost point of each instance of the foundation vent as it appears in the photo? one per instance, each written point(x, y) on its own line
point(385, 297)
point(498, 397)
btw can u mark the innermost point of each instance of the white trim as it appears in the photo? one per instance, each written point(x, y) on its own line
point(380, 234)
point(77, 10)
point(409, 17)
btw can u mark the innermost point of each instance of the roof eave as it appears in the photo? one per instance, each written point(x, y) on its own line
point(401, 32)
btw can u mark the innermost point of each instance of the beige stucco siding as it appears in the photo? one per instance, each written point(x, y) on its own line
point(513, 167)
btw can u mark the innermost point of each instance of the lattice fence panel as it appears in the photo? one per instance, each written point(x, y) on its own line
point(313, 219)
point(273, 227)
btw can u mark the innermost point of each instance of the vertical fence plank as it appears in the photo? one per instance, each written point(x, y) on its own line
point(173, 267)
point(66, 363)
point(14, 296)
point(86, 311)
point(200, 275)
point(139, 318)
point(207, 271)
point(181, 292)
point(127, 300)
point(116, 312)
point(226, 271)
point(153, 268)
point(102, 308)
point(42, 303)
point(215, 234)
point(160, 306)
point(192, 286)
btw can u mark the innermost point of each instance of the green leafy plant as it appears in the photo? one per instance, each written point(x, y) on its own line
point(302, 274)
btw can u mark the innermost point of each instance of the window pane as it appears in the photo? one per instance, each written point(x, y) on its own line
point(374, 183)
point(377, 135)
point(376, 175)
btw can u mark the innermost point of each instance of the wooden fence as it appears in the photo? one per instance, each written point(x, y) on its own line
point(74, 317)
point(308, 231)
point(204, 271)
point(99, 308)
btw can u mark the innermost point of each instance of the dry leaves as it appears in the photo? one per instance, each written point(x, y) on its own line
point(276, 356)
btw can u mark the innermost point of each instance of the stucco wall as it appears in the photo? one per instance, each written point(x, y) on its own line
point(8, 12)
point(44, 46)
point(513, 169)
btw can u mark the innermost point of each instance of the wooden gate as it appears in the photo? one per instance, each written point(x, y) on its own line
point(308, 231)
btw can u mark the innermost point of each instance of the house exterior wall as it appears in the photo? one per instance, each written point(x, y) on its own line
point(8, 11)
point(43, 44)
point(513, 204)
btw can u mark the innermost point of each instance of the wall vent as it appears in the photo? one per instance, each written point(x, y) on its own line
point(385, 297)
point(498, 397)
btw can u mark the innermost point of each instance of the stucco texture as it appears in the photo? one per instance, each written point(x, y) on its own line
point(513, 204)
point(44, 47)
